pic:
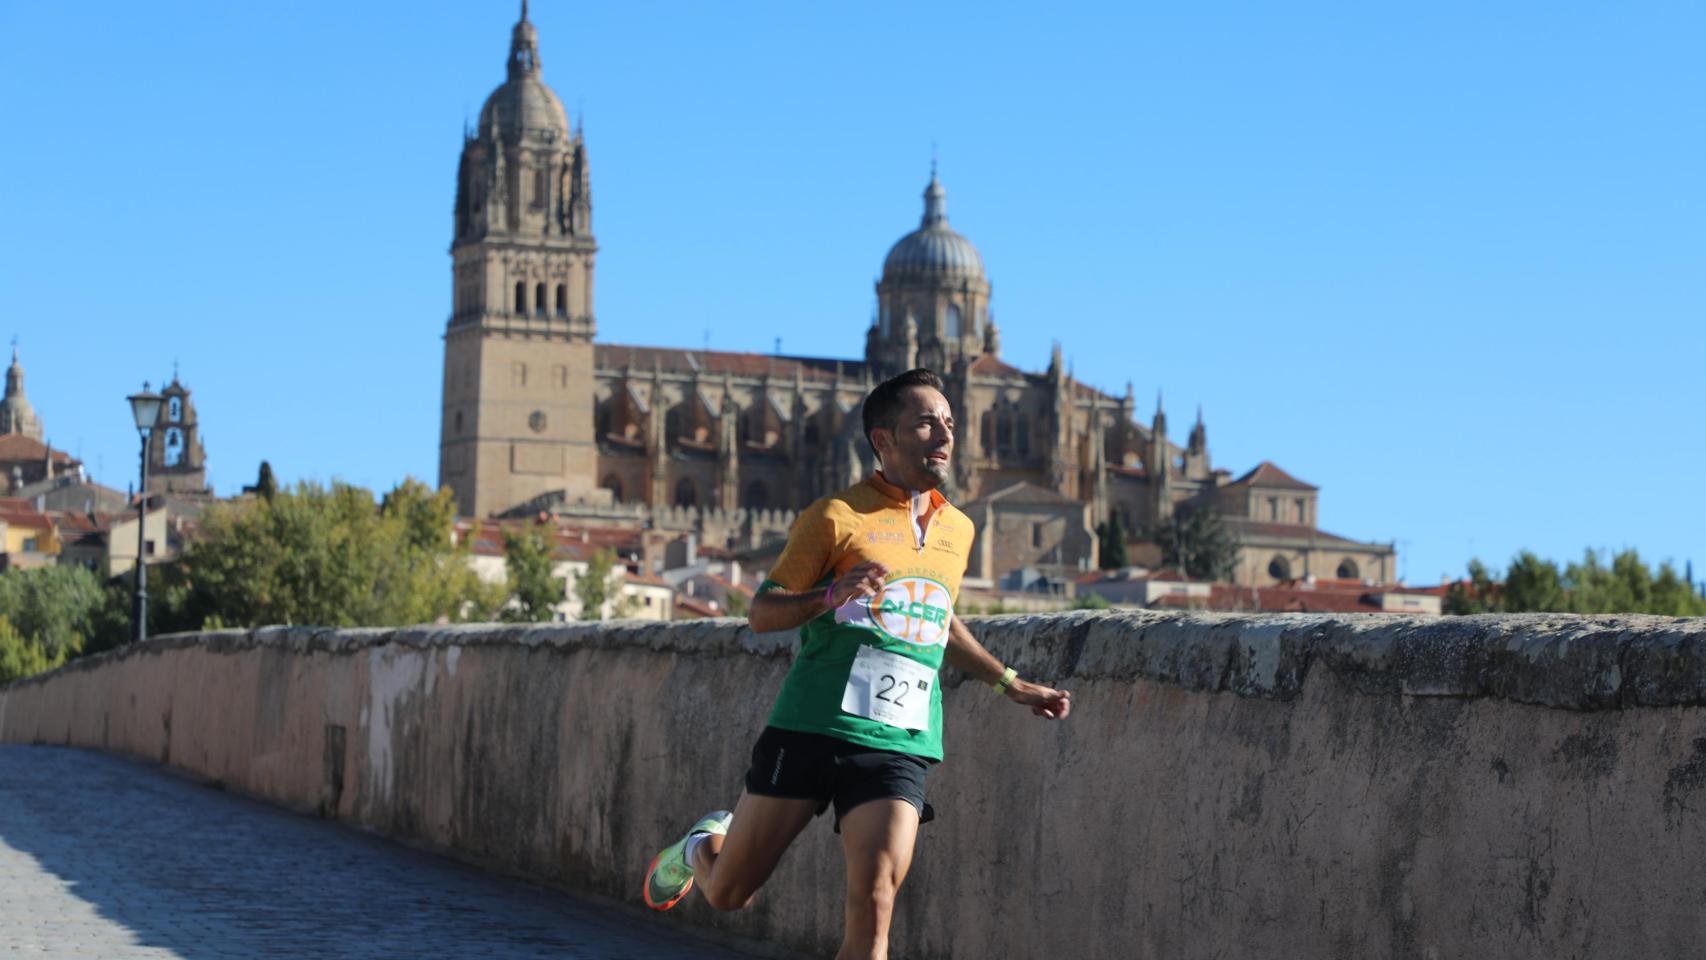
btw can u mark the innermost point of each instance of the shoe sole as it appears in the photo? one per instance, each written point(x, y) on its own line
point(646, 890)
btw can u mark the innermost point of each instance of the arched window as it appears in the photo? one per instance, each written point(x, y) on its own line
point(562, 299)
point(539, 299)
point(812, 435)
point(176, 409)
point(756, 495)
point(459, 423)
point(951, 323)
point(1003, 431)
point(1279, 568)
point(685, 494)
point(174, 453)
point(520, 297)
point(613, 483)
point(1348, 570)
point(1024, 435)
point(885, 322)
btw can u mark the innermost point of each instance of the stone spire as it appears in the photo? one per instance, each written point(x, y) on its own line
point(523, 47)
point(935, 201)
point(16, 414)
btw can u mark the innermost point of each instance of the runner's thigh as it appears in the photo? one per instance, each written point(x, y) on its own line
point(877, 838)
point(760, 833)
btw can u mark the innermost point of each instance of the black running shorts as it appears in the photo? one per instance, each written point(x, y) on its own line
point(811, 766)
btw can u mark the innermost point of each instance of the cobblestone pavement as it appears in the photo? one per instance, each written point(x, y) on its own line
point(102, 857)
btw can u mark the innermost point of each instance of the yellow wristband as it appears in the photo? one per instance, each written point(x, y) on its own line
point(1000, 686)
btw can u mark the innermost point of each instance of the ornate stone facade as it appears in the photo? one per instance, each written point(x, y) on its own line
point(537, 416)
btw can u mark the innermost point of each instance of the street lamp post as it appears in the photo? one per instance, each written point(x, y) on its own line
point(145, 407)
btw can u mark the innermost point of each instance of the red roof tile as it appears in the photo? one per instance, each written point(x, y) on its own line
point(691, 607)
point(1266, 474)
point(18, 512)
point(16, 446)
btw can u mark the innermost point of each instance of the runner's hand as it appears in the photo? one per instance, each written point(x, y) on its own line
point(1043, 701)
point(863, 580)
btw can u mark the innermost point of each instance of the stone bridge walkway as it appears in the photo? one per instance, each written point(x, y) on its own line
point(102, 857)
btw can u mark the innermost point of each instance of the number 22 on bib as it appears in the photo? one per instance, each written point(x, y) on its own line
point(889, 688)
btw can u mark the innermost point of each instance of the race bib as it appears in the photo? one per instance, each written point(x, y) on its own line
point(889, 688)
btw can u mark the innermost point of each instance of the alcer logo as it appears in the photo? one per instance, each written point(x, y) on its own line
point(914, 610)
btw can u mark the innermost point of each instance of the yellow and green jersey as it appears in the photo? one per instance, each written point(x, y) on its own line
point(845, 677)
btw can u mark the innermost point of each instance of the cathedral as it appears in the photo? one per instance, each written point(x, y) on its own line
point(540, 415)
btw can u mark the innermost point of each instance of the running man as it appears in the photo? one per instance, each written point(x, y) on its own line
point(870, 576)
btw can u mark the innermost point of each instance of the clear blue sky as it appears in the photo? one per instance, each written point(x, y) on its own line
point(1447, 262)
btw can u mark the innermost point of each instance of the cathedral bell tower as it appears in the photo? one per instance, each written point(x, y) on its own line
point(517, 417)
point(177, 463)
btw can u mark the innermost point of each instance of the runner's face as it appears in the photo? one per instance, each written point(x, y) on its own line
point(923, 441)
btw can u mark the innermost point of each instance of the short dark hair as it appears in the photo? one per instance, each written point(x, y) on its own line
point(883, 405)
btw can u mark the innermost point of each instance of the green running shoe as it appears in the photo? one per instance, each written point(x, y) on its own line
point(670, 876)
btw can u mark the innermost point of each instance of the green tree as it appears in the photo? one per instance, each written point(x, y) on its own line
point(1591, 585)
point(265, 485)
point(1477, 595)
point(600, 584)
point(327, 556)
point(1110, 536)
point(735, 604)
point(1090, 601)
point(60, 610)
point(534, 591)
point(21, 656)
point(1534, 585)
point(1198, 544)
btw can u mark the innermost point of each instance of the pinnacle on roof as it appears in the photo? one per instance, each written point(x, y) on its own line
point(523, 46)
point(935, 201)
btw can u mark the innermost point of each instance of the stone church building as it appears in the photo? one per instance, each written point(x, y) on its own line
point(540, 415)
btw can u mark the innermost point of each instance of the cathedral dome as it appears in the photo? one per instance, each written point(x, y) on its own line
point(934, 250)
point(524, 104)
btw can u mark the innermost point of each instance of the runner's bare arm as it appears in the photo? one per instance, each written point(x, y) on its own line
point(966, 653)
point(786, 609)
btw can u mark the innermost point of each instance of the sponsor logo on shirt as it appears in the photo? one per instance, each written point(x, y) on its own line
point(886, 536)
point(914, 610)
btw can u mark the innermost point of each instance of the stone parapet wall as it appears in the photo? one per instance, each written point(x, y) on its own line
point(1276, 786)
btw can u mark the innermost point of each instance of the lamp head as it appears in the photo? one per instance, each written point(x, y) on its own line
point(145, 407)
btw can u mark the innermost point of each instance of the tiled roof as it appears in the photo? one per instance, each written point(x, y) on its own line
point(1290, 531)
point(990, 365)
point(573, 543)
point(640, 361)
point(16, 446)
point(76, 522)
point(16, 512)
point(1266, 474)
point(690, 607)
